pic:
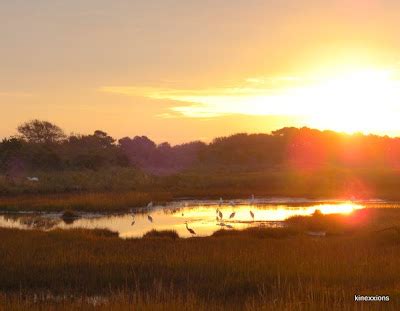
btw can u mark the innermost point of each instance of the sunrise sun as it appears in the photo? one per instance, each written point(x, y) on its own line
point(350, 100)
point(358, 101)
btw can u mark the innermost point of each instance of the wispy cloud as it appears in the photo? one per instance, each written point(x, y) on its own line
point(254, 96)
point(283, 95)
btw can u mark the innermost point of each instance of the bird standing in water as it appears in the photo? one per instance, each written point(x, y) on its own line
point(252, 214)
point(150, 218)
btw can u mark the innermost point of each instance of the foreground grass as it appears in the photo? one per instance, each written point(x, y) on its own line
point(257, 269)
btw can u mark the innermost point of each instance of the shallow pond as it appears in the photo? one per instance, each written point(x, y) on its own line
point(203, 216)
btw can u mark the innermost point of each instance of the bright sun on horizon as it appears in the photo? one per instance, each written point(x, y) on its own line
point(354, 100)
point(220, 68)
point(359, 101)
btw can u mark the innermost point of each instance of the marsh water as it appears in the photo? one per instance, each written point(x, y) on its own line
point(202, 216)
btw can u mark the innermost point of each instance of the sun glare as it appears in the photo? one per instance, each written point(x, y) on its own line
point(344, 208)
point(357, 100)
point(362, 101)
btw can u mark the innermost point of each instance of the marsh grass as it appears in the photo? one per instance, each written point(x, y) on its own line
point(367, 221)
point(111, 179)
point(260, 233)
point(254, 269)
point(88, 202)
point(168, 234)
point(115, 189)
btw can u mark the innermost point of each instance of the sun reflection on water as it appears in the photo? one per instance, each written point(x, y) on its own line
point(200, 216)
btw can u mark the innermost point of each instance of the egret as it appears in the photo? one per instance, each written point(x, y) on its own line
point(232, 215)
point(220, 201)
point(150, 205)
point(33, 179)
point(150, 218)
point(189, 229)
point(232, 203)
point(252, 199)
point(252, 214)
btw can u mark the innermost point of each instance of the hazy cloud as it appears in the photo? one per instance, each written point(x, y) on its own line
point(367, 90)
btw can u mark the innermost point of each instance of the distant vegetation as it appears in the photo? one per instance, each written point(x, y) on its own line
point(289, 161)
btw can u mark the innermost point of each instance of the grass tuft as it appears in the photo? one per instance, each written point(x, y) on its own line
point(168, 234)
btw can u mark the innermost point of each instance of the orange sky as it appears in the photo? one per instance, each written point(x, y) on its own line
point(181, 70)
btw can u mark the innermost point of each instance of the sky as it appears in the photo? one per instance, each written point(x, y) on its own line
point(180, 70)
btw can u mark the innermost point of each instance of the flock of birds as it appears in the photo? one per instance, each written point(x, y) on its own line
point(219, 214)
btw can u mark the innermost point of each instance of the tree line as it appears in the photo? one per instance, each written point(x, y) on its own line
point(41, 145)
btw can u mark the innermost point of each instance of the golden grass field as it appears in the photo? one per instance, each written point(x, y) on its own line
point(254, 269)
point(88, 202)
point(119, 189)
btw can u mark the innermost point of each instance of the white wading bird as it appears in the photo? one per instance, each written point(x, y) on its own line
point(252, 199)
point(33, 179)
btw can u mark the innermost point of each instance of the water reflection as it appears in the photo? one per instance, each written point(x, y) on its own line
point(38, 222)
point(202, 217)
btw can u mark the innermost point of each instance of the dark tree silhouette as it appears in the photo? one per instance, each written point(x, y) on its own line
point(41, 132)
point(43, 146)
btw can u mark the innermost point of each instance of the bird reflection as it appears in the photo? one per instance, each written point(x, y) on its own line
point(189, 229)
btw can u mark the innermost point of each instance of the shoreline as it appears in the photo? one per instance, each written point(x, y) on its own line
point(115, 202)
